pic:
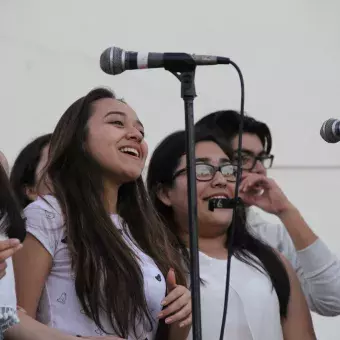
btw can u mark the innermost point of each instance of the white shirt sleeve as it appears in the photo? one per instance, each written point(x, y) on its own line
point(316, 267)
point(44, 222)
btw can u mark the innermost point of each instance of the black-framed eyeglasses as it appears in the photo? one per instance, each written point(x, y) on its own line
point(206, 172)
point(248, 161)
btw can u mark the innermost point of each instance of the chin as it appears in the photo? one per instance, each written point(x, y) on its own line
point(131, 174)
point(221, 216)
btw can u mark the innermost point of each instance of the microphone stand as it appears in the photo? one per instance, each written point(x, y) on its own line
point(184, 70)
point(183, 67)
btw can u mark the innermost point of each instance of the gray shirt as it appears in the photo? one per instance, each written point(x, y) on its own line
point(316, 267)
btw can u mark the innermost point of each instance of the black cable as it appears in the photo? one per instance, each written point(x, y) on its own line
point(238, 182)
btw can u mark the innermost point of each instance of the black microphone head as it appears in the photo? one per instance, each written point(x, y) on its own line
point(327, 131)
point(112, 60)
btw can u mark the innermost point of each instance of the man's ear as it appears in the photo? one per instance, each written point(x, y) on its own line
point(163, 194)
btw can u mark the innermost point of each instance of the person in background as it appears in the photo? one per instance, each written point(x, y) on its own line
point(97, 259)
point(4, 163)
point(12, 233)
point(265, 297)
point(317, 268)
point(27, 170)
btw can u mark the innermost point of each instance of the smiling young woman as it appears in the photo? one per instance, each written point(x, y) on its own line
point(90, 264)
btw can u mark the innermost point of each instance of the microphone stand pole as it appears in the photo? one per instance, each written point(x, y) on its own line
point(184, 70)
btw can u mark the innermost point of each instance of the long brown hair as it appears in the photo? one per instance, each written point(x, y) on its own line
point(98, 251)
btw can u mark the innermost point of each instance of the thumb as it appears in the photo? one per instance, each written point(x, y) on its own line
point(171, 280)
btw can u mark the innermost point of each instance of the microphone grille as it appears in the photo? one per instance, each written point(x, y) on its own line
point(327, 132)
point(111, 61)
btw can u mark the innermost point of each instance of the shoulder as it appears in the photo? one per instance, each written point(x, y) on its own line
point(44, 220)
point(44, 208)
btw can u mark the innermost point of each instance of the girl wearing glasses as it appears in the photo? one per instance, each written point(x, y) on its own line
point(265, 299)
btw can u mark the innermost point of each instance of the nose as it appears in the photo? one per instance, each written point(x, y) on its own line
point(134, 134)
point(259, 168)
point(219, 181)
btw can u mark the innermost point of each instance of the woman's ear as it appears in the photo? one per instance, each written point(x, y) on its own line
point(163, 194)
point(31, 193)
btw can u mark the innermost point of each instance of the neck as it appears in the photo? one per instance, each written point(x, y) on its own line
point(213, 245)
point(110, 196)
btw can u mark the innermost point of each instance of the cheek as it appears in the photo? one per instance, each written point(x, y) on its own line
point(231, 189)
point(178, 197)
point(145, 149)
point(101, 146)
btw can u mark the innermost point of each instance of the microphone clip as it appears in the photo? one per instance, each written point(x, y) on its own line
point(224, 203)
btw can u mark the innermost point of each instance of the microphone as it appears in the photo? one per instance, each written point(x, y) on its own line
point(330, 130)
point(114, 61)
point(223, 203)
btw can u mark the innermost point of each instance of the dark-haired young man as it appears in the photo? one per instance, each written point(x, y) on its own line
point(317, 268)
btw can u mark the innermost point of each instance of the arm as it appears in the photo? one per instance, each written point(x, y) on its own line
point(299, 231)
point(32, 266)
point(298, 324)
point(317, 268)
point(318, 271)
point(177, 333)
point(30, 329)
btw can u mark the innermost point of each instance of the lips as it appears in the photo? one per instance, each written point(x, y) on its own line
point(216, 196)
point(129, 150)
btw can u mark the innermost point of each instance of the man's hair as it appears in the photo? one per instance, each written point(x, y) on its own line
point(227, 123)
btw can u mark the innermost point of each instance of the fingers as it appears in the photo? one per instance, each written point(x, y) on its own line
point(174, 295)
point(171, 281)
point(7, 244)
point(255, 182)
point(186, 322)
point(5, 254)
point(181, 315)
point(178, 304)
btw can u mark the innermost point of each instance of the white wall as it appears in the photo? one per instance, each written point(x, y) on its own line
point(289, 52)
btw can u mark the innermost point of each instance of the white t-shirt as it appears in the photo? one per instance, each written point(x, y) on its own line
point(59, 306)
point(253, 306)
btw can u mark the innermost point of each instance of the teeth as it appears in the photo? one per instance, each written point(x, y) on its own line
point(130, 151)
point(219, 197)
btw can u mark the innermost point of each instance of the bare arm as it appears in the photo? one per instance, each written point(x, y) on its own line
point(32, 266)
point(30, 329)
point(177, 333)
point(298, 324)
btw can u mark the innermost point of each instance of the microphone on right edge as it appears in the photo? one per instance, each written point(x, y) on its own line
point(330, 130)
